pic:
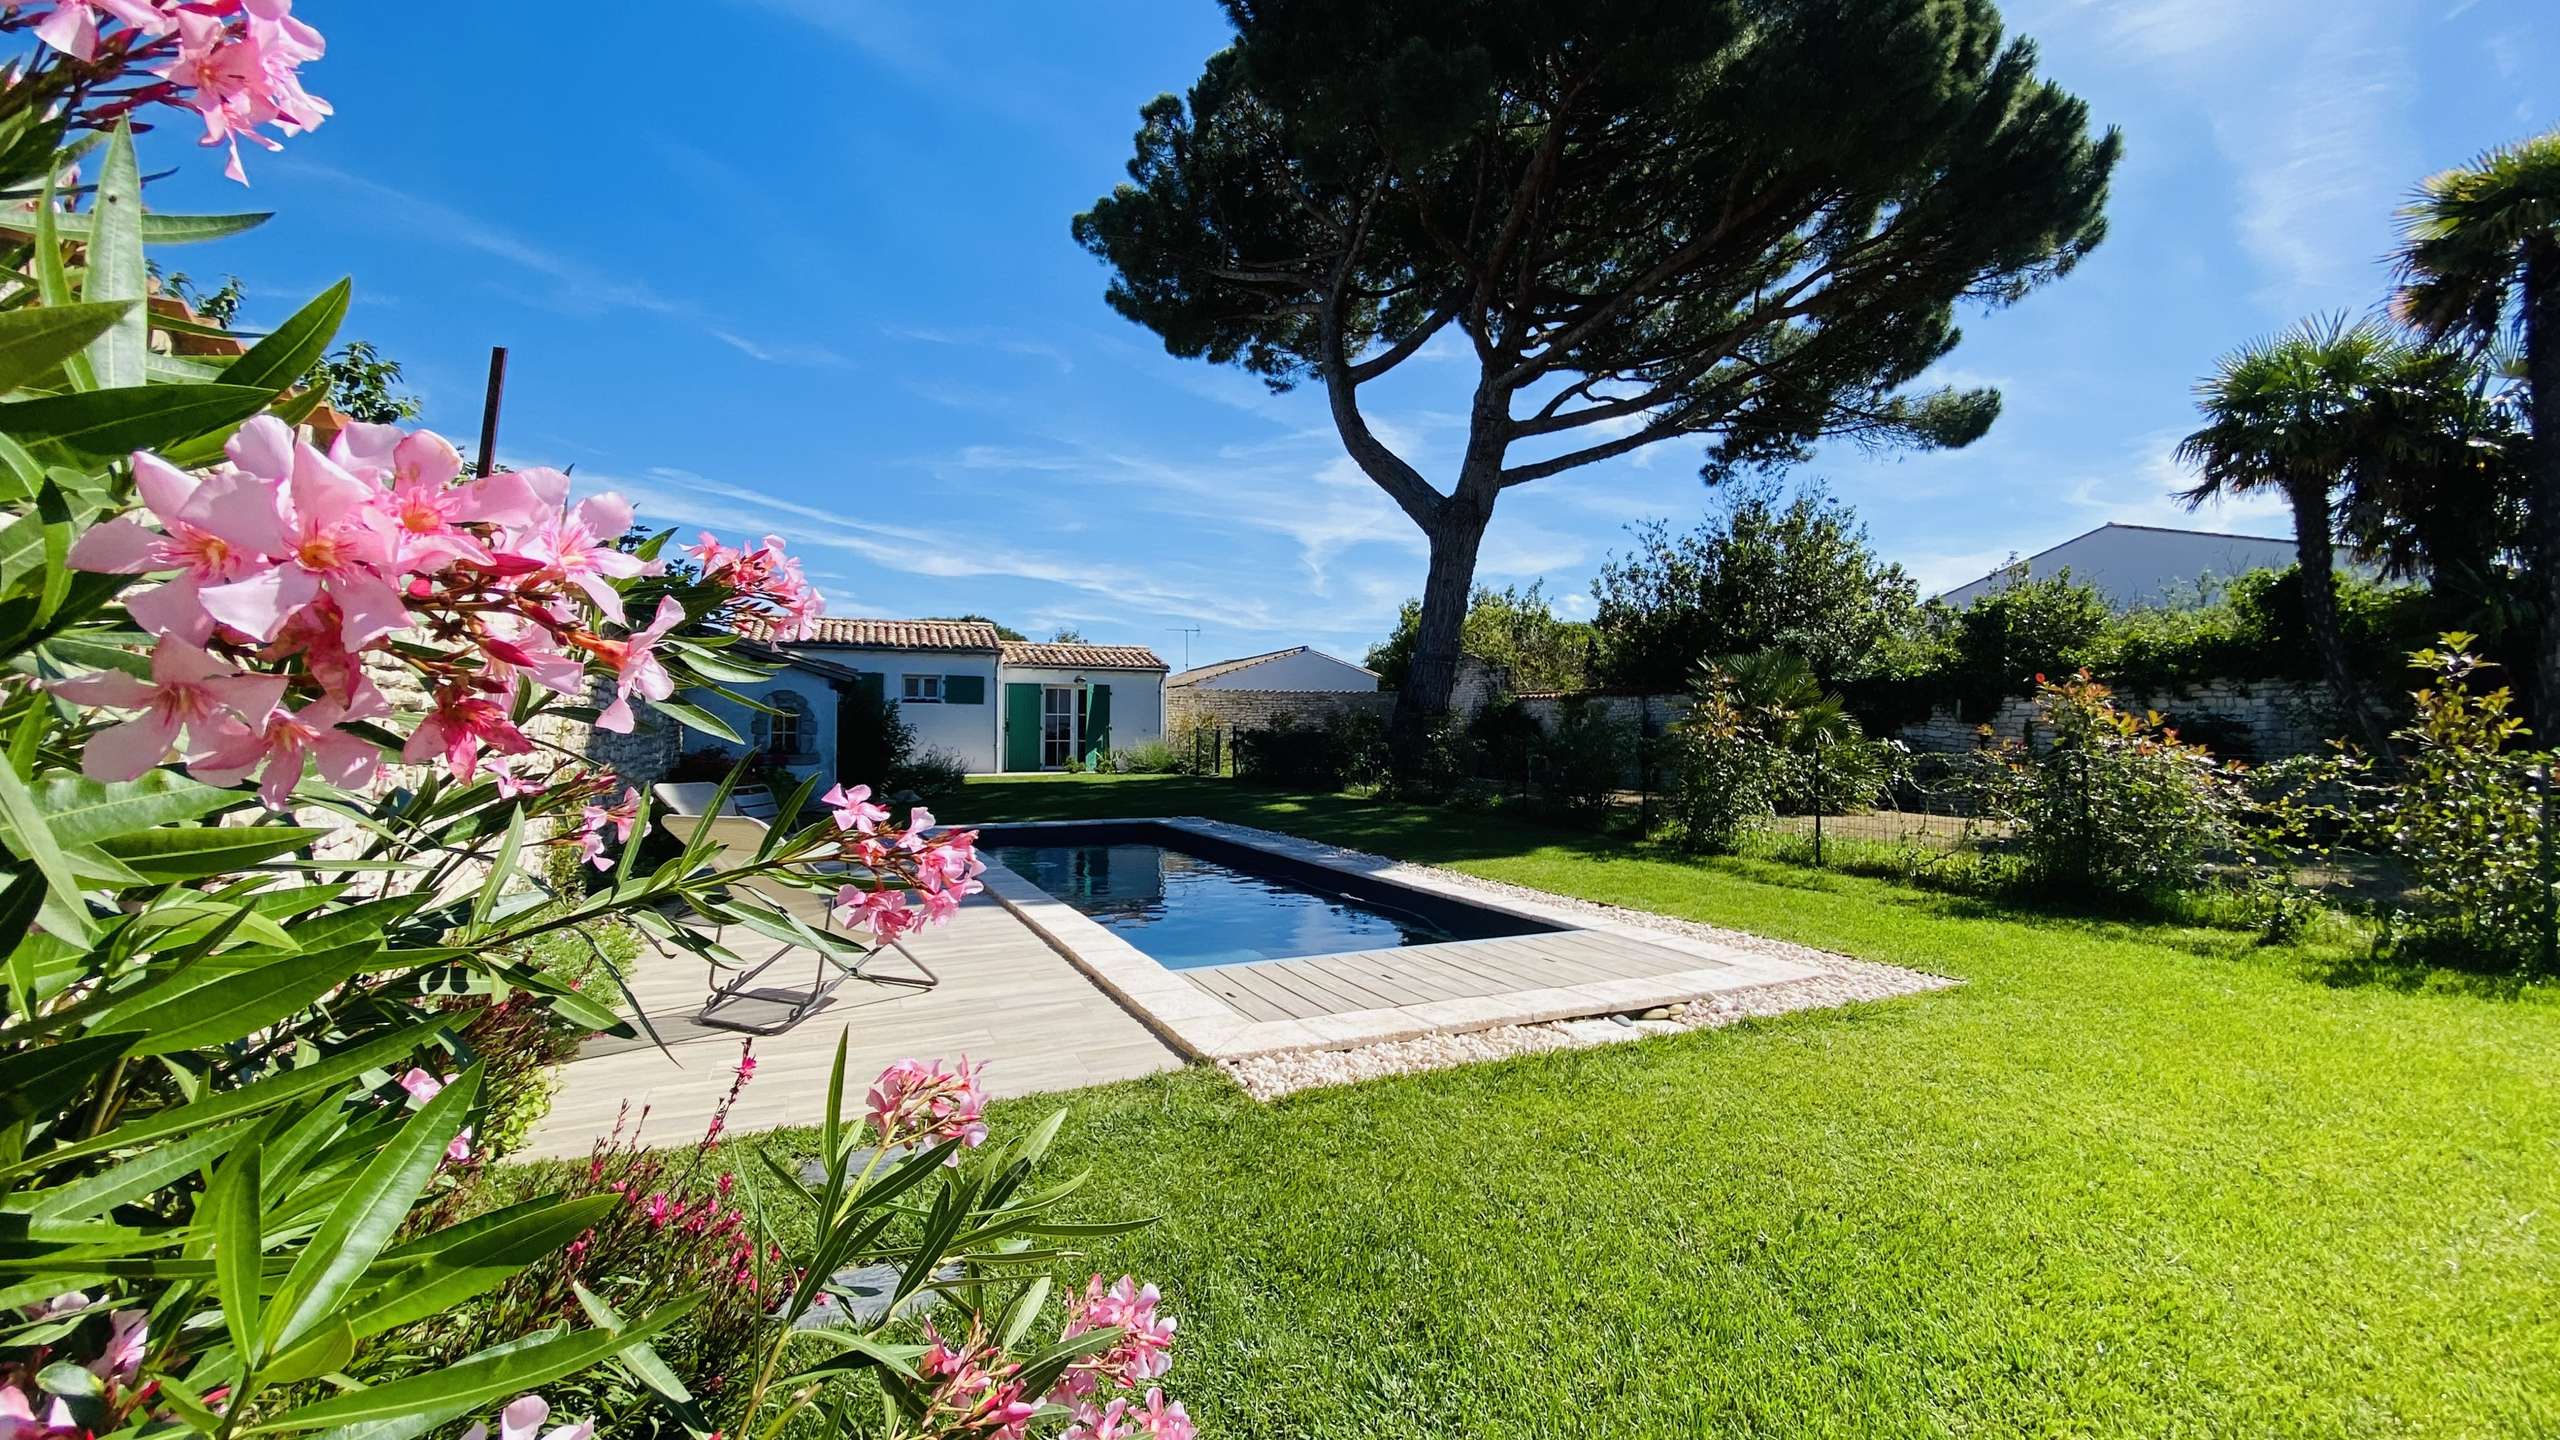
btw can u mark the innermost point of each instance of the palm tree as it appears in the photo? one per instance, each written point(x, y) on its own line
point(2479, 260)
point(2443, 499)
point(2294, 414)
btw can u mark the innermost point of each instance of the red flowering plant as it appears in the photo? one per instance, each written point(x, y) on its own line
point(253, 891)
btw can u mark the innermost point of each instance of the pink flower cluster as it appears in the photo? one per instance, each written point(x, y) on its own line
point(287, 570)
point(944, 868)
point(235, 63)
point(791, 608)
point(917, 1103)
point(594, 820)
point(1143, 1352)
point(976, 1391)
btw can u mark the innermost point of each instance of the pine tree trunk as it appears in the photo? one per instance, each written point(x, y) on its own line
point(1422, 706)
point(2541, 305)
point(2315, 564)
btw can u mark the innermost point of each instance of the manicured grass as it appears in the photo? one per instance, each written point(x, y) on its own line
point(2131, 1179)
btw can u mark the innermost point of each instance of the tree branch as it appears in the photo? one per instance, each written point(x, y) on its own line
point(1401, 351)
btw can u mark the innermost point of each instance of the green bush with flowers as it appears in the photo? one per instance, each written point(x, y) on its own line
point(261, 914)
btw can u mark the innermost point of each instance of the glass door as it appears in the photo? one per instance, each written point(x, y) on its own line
point(1058, 727)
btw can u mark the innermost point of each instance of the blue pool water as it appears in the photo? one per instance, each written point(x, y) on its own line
point(1187, 909)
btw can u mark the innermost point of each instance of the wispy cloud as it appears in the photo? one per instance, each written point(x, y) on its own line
point(1001, 341)
point(575, 287)
point(783, 354)
point(2310, 105)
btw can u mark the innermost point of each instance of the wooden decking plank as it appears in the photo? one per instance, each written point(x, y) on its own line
point(1295, 1004)
point(1501, 973)
point(1325, 995)
point(1602, 952)
point(1369, 978)
point(1216, 981)
point(1545, 965)
point(1417, 976)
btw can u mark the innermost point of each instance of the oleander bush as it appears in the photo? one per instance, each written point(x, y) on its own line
point(1587, 759)
point(276, 940)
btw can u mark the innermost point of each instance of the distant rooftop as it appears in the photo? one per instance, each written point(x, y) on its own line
point(2141, 566)
point(1081, 656)
point(976, 635)
point(1199, 673)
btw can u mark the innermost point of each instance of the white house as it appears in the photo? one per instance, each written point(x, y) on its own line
point(996, 704)
point(1299, 668)
point(2139, 566)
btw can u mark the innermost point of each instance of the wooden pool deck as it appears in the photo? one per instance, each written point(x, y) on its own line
point(1422, 974)
point(1006, 998)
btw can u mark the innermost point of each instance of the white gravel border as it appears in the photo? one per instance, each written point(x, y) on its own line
point(1842, 980)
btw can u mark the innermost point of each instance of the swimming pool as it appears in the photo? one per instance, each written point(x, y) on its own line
point(1189, 901)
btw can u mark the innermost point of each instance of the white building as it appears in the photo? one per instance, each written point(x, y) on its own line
point(996, 704)
point(1299, 668)
point(2134, 567)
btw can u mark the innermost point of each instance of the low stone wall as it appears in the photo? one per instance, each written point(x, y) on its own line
point(2255, 720)
point(1640, 714)
point(1190, 706)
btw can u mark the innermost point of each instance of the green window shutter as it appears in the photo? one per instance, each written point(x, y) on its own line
point(1097, 724)
point(872, 684)
point(1022, 727)
point(964, 689)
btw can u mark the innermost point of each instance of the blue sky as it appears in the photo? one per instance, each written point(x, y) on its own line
point(803, 266)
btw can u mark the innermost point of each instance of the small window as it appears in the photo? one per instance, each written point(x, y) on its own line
point(922, 690)
point(784, 735)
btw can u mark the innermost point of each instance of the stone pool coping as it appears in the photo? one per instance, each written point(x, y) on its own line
point(1204, 1027)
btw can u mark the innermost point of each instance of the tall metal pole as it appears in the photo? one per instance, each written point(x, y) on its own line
point(489, 409)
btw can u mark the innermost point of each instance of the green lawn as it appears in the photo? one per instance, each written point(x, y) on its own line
point(2131, 1179)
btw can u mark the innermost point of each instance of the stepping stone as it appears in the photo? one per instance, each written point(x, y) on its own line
point(859, 1296)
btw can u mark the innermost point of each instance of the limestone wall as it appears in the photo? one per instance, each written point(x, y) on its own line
point(2254, 720)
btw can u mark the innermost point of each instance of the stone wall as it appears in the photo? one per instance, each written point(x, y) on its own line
point(2255, 720)
point(1639, 714)
point(1189, 706)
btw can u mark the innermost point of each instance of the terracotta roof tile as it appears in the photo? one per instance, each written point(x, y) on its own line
point(1082, 657)
point(974, 635)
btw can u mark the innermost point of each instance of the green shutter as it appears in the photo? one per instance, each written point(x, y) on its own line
point(1022, 727)
point(964, 689)
point(873, 684)
point(1097, 725)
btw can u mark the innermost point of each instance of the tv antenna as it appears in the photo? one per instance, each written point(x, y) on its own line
point(1186, 632)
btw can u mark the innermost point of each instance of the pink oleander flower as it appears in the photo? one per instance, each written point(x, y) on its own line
point(189, 690)
point(1143, 1352)
point(636, 666)
point(214, 529)
point(577, 545)
point(332, 548)
point(914, 1101)
point(422, 1084)
point(283, 745)
point(522, 1420)
point(975, 1392)
point(128, 1340)
point(18, 1420)
point(458, 1149)
point(510, 784)
point(458, 729)
point(853, 809)
point(241, 73)
point(1164, 1420)
point(883, 912)
point(72, 28)
point(419, 506)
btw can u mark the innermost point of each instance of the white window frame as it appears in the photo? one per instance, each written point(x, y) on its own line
point(783, 721)
point(920, 690)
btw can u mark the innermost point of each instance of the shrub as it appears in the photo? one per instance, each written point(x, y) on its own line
point(1153, 757)
point(249, 951)
point(2464, 815)
point(2115, 803)
point(1587, 758)
point(1347, 747)
point(520, 1040)
point(1721, 774)
point(931, 775)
